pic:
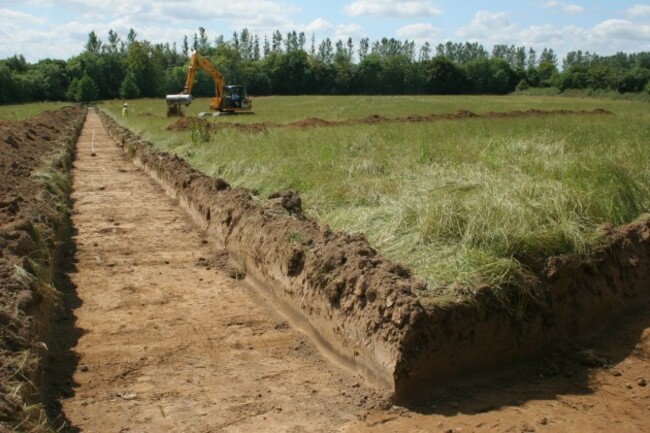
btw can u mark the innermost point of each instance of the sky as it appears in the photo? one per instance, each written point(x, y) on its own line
point(59, 29)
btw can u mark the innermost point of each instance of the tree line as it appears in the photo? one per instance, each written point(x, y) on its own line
point(290, 64)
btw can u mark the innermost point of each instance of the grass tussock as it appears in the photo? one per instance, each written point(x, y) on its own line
point(465, 203)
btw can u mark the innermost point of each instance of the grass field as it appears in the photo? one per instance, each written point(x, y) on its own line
point(463, 202)
point(25, 111)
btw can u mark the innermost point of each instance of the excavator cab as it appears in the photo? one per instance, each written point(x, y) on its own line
point(235, 98)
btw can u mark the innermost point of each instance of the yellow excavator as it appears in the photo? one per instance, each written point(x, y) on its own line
point(231, 99)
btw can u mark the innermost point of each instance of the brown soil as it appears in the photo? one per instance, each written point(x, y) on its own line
point(164, 335)
point(30, 231)
point(184, 124)
point(595, 384)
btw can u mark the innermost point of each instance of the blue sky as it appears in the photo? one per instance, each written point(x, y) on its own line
point(59, 28)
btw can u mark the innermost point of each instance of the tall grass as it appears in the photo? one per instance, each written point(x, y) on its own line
point(465, 202)
point(25, 111)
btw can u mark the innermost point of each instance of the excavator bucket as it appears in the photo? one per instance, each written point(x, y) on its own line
point(179, 99)
point(174, 103)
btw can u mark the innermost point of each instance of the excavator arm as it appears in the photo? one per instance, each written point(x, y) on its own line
point(200, 62)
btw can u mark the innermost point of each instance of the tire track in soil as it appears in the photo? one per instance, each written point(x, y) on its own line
point(168, 343)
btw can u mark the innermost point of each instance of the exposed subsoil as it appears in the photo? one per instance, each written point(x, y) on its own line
point(164, 336)
point(596, 384)
point(186, 123)
point(27, 236)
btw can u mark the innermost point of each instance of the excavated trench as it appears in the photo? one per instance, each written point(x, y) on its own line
point(364, 310)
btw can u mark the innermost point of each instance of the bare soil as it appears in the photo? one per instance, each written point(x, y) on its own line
point(597, 384)
point(186, 123)
point(163, 338)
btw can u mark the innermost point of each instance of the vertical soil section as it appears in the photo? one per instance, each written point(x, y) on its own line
point(575, 297)
point(169, 341)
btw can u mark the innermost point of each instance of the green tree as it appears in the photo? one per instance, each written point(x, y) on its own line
point(370, 71)
point(147, 72)
point(442, 77)
point(394, 73)
point(344, 72)
point(325, 53)
point(364, 47)
point(7, 85)
point(17, 63)
point(128, 88)
point(490, 76)
point(86, 90)
point(51, 78)
point(290, 72)
point(633, 81)
point(72, 94)
point(94, 44)
point(546, 68)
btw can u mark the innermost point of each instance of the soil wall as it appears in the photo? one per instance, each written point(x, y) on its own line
point(363, 309)
point(35, 161)
point(574, 297)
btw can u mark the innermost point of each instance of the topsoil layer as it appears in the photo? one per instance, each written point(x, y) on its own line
point(365, 310)
point(29, 221)
point(187, 123)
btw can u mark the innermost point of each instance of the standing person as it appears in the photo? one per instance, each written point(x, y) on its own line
point(125, 109)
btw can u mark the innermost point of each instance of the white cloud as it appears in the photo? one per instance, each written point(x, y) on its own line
point(612, 31)
point(567, 9)
point(319, 25)
point(16, 19)
point(392, 8)
point(605, 38)
point(638, 11)
point(322, 29)
point(419, 32)
point(573, 9)
point(345, 31)
point(537, 36)
point(489, 27)
point(242, 12)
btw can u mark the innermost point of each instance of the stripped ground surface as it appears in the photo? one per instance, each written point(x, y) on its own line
point(161, 338)
point(167, 340)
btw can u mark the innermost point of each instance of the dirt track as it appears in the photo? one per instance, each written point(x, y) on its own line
point(168, 341)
